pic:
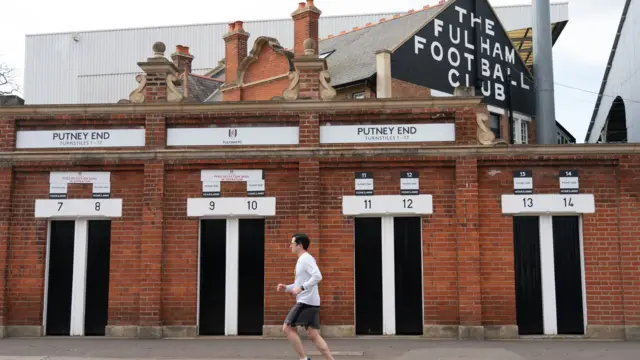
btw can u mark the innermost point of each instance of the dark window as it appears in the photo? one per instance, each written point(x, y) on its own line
point(494, 123)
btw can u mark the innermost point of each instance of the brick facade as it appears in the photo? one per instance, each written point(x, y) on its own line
point(468, 256)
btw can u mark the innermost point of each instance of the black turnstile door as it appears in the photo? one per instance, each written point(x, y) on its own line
point(250, 276)
point(368, 275)
point(97, 288)
point(408, 275)
point(528, 276)
point(568, 275)
point(213, 248)
point(60, 265)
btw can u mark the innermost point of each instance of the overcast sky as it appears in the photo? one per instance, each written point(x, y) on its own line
point(580, 55)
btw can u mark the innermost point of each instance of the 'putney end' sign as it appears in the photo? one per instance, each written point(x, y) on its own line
point(465, 45)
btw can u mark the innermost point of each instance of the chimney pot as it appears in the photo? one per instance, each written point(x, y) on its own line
point(309, 3)
point(301, 5)
point(231, 27)
point(238, 26)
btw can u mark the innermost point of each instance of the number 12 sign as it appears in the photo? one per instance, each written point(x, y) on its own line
point(387, 205)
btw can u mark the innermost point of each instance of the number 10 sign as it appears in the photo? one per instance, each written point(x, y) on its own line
point(387, 205)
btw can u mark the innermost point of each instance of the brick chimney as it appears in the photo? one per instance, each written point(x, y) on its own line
point(305, 26)
point(182, 59)
point(159, 81)
point(235, 50)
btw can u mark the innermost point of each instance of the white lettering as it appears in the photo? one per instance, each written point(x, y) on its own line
point(462, 12)
point(498, 50)
point(497, 72)
point(455, 63)
point(455, 41)
point(438, 24)
point(485, 68)
point(484, 46)
point(499, 92)
point(466, 41)
point(510, 54)
point(489, 27)
point(467, 76)
point(456, 83)
point(419, 41)
point(434, 45)
point(475, 19)
point(486, 92)
point(470, 58)
point(524, 86)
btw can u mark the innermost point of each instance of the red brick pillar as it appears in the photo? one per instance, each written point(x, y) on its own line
point(309, 200)
point(155, 132)
point(151, 251)
point(467, 232)
point(6, 181)
point(7, 144)
point(629, 245)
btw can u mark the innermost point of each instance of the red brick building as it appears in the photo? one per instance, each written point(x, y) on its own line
point(170, 214)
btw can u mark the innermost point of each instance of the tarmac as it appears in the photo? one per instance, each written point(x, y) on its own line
point(66, 348)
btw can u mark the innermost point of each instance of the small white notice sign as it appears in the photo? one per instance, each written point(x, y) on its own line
point(364, 183)
point(569, 182)
point(409, 183)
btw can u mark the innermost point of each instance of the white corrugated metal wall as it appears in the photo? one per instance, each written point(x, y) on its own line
point(100, 66)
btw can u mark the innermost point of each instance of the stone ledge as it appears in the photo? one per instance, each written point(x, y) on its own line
point(2, 332)
point(121, 331)
point(180, 331)
point(632, 333)
point(605, 332)
point(328, 331)
point(440, 331)
point(470, 332)
point(501, 332)
point(150, 332)
point(24, 331)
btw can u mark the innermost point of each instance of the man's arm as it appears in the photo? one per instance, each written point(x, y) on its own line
point(313, 270)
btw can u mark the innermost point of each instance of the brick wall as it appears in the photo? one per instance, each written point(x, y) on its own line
point(403, 89)
point(468, 274)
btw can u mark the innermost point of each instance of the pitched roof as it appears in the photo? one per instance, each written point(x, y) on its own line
point(199, 87)
point(354, 56)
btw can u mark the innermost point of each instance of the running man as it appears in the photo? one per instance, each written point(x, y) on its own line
point(306, 311)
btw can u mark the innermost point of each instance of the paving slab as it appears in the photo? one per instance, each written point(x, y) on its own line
point(343, 349)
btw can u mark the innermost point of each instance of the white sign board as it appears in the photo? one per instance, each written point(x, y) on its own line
point(569, 182)
point(84, 138)
point(273, 135)
point(75, 208)
point(58, 181)
point(400, 133)
point(230, 207)
point(548, 204)
point(387, 205)
point(230, 175)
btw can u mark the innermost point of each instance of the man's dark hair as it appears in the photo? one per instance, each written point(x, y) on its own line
point(302, 239)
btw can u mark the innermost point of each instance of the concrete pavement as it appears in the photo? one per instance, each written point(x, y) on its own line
point(268, 349)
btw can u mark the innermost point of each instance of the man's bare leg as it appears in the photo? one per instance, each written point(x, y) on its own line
point(320, 344)
point(294, 340)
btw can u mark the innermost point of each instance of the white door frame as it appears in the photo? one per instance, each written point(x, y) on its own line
point(81, 211)
point(232, 210)
point(388, 207)
point(546, 206)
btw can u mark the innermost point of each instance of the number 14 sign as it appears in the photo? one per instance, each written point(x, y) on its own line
point(548, 204)
point(387, 205)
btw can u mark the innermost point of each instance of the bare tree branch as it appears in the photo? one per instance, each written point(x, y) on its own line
point(8, 84)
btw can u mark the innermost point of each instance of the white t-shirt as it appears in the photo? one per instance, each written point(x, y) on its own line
point(307, 274)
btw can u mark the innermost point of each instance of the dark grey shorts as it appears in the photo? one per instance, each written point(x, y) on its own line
point(304, 315)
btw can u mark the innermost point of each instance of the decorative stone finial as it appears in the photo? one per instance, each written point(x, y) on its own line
point(159, 49)
point(309, 47)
